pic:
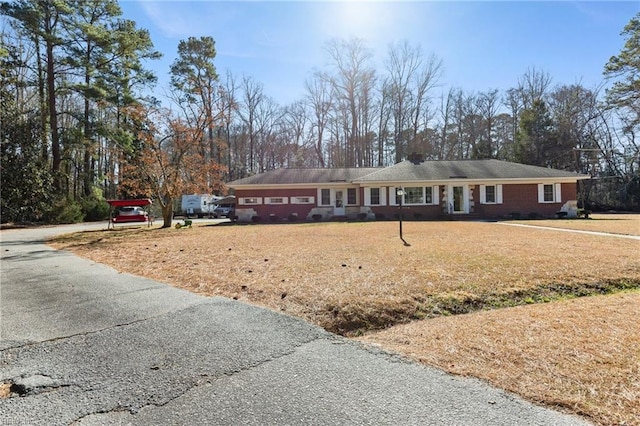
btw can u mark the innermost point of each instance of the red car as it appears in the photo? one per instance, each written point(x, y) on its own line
point(131, 214)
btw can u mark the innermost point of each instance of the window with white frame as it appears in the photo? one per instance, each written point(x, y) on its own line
point(549, 193)
point(490, 194)
point(351, 196)
point(302, 200)
point(414, 195)
point(325, 197)
point(247, 201)
point(276, 200)
point(374, 196)
point(428, 195)
point(420, 195)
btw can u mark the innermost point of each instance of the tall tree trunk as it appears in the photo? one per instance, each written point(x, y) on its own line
point(87, 172)
point(53, 113)
point(167, 210)
point(42, 99)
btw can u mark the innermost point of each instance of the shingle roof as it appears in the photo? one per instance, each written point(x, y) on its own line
point(408, 171)
point(304, 176)
point(469, 169)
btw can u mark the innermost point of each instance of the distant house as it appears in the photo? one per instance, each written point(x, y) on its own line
point(480, 189)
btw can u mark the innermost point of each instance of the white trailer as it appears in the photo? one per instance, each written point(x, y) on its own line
point(199, 205)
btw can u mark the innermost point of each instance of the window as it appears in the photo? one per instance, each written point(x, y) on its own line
point(351, 196)
point(414, 195)
point(490, 194)
point(250, 201)
point(325, 198)
point(375, 196)
point(548, 193)
point(428, 195)
point(302, 200)
point(276, 200)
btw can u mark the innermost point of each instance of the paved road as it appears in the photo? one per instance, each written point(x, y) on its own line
point(87, 345)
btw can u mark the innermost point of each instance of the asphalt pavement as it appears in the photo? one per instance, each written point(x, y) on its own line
point(84, 344)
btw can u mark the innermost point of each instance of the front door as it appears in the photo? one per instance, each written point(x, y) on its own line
point(458, 199)
point(338, 210)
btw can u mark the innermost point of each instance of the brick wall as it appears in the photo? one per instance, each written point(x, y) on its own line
point(521, 199)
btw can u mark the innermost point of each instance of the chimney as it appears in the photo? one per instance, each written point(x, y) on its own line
point(415, 158)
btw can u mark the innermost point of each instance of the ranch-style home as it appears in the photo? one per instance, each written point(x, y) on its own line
point(429, 190)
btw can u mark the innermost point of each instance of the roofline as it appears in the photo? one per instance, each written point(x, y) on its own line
point(295, 185)
point(565, 179)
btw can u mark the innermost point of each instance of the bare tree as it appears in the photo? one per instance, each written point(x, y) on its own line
point(319, 98)
point(402, 66)
point(384, 116)
point(252, 97)
point(503, 136)
point(533, 86)
point(427, 79)
point(573, 108)
point(352, 81)
point(228, 108)
point(513, 102)
point(294, 128)
point(410, 79)
point(488, 107)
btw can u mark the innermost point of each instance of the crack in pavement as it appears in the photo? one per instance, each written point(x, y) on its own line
point(203, 381)
point(71, 336)
point(152, 287)
point(157, 359)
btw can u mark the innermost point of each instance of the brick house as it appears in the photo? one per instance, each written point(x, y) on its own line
point(482, 189)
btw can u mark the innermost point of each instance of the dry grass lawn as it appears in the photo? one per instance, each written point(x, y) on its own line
point(356, 278)
point(582, 355)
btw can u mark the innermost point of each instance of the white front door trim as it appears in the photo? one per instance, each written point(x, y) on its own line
point(462, 206)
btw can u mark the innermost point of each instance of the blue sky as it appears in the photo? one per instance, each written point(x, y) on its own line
point(483, 45)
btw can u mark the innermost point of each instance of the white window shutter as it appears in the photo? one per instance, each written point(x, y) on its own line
point(541, 193)
point(483, 194)
point(499, 194)
point(558, 194)
point(367, 196)
point(435, 194)
point(383, 196)
point(392, 196)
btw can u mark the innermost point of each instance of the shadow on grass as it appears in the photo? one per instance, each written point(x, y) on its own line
point(351, 321)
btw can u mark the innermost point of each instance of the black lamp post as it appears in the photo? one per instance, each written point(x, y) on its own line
point(400, 193)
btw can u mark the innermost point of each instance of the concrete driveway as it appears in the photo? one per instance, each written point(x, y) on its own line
point(84, 344)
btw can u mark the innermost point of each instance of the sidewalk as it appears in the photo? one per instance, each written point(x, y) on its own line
point(575, 231)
